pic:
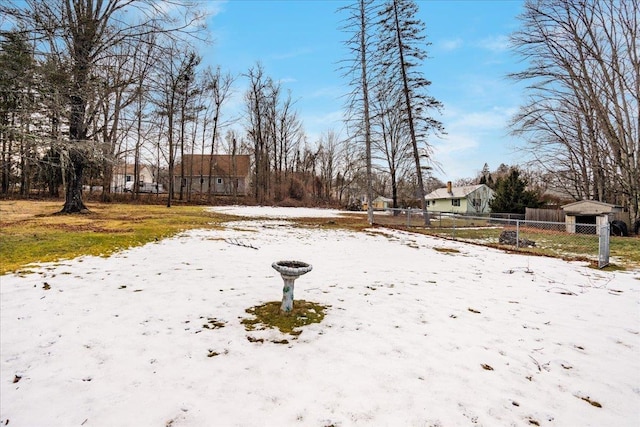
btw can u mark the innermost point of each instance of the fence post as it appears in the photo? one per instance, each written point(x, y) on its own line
point(603, 246)
point(453, 232)
point(517, 234)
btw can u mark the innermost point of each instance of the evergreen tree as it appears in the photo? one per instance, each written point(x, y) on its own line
point(402, 53)
point(511, 195)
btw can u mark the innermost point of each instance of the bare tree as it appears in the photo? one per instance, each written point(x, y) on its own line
point(219, 85)
point(255, 99)
point(173, 82)
point(360, 26)
point(17, 78)
point(273, 128)
point(289, 133)
point(83, 32)
point(328, 158)
point(392, 142)
point(584, 83)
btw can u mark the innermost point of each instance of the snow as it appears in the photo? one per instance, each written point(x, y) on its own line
point(414, 335)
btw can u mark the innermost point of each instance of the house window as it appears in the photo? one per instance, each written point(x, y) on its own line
point(455, 202)
point(475, 203)
point(219, 181)
point(128, 178)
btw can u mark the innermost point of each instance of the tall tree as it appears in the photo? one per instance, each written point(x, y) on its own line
point(219, 86)
point(360, 26)
point(256, 99)
point(392, 140)
point(289, 133)
point(83, 33)
point(584, 84)
point(17, 74)
point(401, 47)
point(173, 80)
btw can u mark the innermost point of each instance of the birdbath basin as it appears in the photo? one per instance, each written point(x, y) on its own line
point(290, 271)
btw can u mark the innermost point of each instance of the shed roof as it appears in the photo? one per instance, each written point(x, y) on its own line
point(590, 207)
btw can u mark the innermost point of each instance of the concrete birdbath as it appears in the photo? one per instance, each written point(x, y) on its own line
point(290, 271)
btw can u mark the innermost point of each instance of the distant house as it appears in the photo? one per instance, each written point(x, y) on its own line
point(589, 212)
point(124, 177)
point(229, 174)
point(469, 199)
point(379, 204)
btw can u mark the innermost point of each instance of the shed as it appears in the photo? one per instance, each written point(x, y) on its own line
point(379, 203)
point(588, 212)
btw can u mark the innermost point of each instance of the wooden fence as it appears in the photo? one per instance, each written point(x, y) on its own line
point(549, 215)
point(557, 215)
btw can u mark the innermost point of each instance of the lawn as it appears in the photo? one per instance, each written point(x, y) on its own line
point(34, 231)
point(395, 328)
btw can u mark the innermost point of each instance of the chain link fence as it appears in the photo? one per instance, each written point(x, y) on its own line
point(558, 239)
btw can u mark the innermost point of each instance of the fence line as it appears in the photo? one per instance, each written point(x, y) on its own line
point(552, 215)
point(555, 238)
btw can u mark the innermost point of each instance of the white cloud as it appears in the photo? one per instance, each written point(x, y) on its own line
point(496, 118)
point(333, 92)
point(473, 138)
point(450, 44)
point(316, 124)
point(495, 43)
point(292, 53)
point(452, 153)
point(286, 80)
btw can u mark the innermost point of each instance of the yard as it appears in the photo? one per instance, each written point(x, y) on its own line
point(417, 330)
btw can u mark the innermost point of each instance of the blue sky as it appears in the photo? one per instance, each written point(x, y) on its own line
point(300, 44)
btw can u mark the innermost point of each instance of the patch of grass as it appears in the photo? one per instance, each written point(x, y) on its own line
point(268, 315)
point(610, 267)
point(447, 250)
point(33, 231)
point(591, 402)
point(574, 247)
point(213, 323)
point(347, 221)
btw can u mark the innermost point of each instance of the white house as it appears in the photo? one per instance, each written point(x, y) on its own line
point(469, 199)
point(123, 177)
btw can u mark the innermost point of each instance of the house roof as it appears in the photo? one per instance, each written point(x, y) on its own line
point(590, 207)
point(456, 192)
point(197, 164)
point(127, 169)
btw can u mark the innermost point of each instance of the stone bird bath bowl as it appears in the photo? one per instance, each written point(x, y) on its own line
point(290, 271)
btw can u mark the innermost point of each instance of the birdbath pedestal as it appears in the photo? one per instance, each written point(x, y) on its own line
point(290, 271)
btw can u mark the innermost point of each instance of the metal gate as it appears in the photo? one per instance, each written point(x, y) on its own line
point(603, 252)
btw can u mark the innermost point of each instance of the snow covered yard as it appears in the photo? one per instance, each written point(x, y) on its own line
point(420, 332)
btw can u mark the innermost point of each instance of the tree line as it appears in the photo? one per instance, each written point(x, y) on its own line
point(582, 117)
point(85, 85)
point(85, 88)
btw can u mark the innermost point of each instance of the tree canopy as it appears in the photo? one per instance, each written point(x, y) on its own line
point(511, 195)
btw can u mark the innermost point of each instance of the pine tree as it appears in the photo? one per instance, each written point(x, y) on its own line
point(402, 53)
point(511, 195)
